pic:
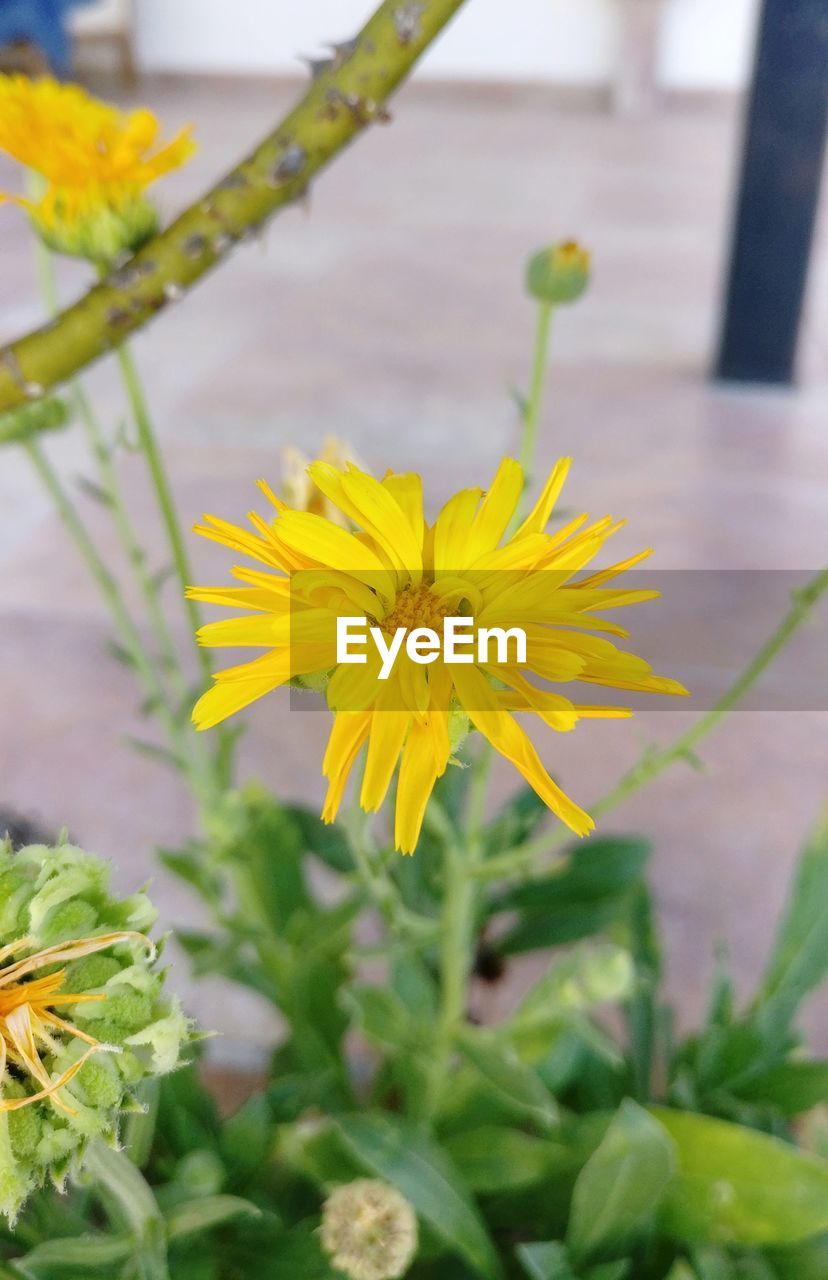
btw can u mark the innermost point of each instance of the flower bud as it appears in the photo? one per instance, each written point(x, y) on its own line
point(369, 1231)
point(558, 274)
point(78, 981)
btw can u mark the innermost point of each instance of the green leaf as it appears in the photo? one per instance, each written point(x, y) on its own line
point(204, 1213)
point(735, 1185)
point(805, 1261)
point(326, 842)
point(622, 1184)
point(247, 1138)
point(271, 848)
point(131, 1205)
point(519, 819)
point(380, 1015)
point(590, 976)
point(545, 1261)
point(609, 1271)
point(494, 1159)
point(496, 1060)
point(800, 957)
point(591, 892)
point(223, 954)
point(406, 1158)
point(681, 1271)
point(793, 1087)
point(190, 865)
point(79, 1255)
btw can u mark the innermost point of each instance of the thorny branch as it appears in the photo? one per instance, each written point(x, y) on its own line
point(348, 91)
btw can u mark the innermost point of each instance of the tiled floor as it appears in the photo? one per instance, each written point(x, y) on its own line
point(391, 312)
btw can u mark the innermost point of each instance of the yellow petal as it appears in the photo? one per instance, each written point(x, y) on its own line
point(506, 736)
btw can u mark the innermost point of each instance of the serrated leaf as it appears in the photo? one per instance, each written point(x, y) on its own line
point(409, 1160)
point(622, 1185)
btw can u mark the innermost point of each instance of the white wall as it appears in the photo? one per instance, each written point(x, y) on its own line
point(704, 43)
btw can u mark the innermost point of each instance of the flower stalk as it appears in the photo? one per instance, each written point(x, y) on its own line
point(530, 859)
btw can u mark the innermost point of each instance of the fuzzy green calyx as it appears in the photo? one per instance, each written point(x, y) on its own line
point(84, 1017)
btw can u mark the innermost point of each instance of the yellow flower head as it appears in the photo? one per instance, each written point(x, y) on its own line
point(95, 160)
point(399, 572)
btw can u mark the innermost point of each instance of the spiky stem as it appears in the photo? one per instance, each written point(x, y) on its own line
point(346, 94)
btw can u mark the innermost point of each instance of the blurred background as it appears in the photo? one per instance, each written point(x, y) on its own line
point(390, 310)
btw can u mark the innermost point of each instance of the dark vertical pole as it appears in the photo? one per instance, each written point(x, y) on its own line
point(776, 207)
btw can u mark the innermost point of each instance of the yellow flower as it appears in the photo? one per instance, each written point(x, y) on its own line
point(95, 160)
point(28, 1017)
point(299, 490)
point(399, 572)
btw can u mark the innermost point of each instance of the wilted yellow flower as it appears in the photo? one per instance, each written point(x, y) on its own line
point(298, 488)
point(96, 161)
point(29, 1018)
point(401, 574)
point(369, 1230)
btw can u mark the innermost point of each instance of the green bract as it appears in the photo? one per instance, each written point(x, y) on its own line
point(60, 925)
point(103, 234)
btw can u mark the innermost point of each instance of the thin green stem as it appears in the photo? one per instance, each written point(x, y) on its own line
point(175, 536)
point(163, 492)
point(526, 858)
point(196, 758)
point(128, 633)
point(375, 880)
point(460, 895)
point(532, 408)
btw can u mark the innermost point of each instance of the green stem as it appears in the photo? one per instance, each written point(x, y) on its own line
point(531, 416)
point(522, 860)
point(196, 757)
point(378, 885)
point(102, 454)
point(346, 97)
point(460, 894)
point(132, 1205)
point(128, 633)
point(163, 492)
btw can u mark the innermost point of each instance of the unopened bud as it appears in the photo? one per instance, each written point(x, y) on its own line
point(558, 274)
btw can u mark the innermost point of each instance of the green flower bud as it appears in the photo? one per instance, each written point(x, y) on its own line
point(369, 1231)
point(558, 274)
point(77, 970)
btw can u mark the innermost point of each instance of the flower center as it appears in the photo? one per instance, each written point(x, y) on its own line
point(416, 607)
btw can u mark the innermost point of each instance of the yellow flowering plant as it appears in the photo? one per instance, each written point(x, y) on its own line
point(399, 1130)
point(95, 163)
